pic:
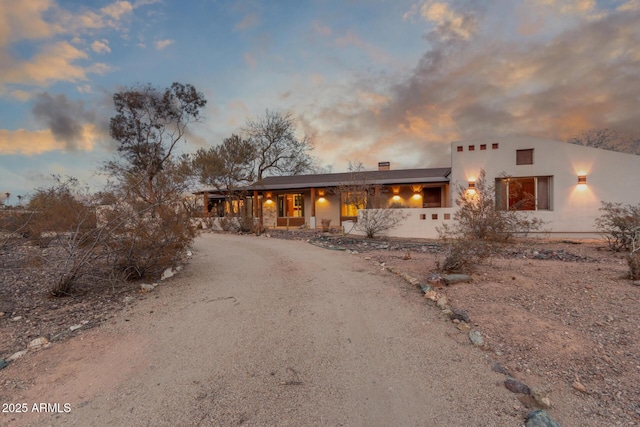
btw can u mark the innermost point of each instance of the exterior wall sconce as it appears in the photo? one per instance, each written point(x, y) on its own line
point(582, 179)
point(269, 196)
point(472, 186)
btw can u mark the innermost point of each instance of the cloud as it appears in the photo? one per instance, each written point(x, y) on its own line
point(29, 143)
point(101, 46)
point(250, 60)
point(374, 53)
point(49, 30)
point(161, 44)
point(321, 29)
point(580, 75)
point(118, 9)
point(66, 119)
point(50, 64)
point(249, 21)
point(630, 5)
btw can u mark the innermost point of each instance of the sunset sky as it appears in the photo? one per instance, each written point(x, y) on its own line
point(368, 80)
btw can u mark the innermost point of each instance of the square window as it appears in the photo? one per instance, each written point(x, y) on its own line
point(494, 146)
point(524, 157)
point(472, 147)
point(423, 216)
point(434, 216)
point(483, 146)
point(459, 147)
point(447, 216)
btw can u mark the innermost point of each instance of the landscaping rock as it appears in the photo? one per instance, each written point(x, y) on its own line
point(462, 326)
point(515, 386)
point(450, 279)
point(145, 287)
point(17, 355)
point(432, 295)
point(636, 283)
point(38, 343)
point(497, 367)
point(442, 302)
point(459, 314)
point(3, 364)
point(577, 385)
point(425, 288)
point(75, 327)
point(435, 280)
point(540, 418)
point(476, 338)
point(539, 394)
point(168, 273)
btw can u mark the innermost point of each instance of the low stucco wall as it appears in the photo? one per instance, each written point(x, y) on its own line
point(420, 223)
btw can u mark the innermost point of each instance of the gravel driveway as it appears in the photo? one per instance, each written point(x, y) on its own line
point(258, 331)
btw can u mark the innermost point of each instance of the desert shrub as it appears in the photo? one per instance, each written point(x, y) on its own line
point(59, 210)
point(634, 265)
point(619, 224)
point(246, 223)
point(148, 241)
point(228, 223)
point(373, 222)
point(462, 255)
point(326, 224)
point(479, 218)
point(480, 227)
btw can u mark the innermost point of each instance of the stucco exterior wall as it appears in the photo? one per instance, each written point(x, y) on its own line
point(611, 177)
point(328, 208)
point(420, 223)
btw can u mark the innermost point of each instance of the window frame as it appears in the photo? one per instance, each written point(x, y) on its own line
point(542, 197)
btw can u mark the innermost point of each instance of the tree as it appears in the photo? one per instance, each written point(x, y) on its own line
point(608, 139)
point(369, 203)
point(278, 150)
point(148, 124)
point(227, 166)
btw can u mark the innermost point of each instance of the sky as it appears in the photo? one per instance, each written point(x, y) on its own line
point(367, 80)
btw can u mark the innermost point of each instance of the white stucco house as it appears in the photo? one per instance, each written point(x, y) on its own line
point(567, 181)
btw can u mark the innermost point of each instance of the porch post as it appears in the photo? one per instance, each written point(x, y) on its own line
point(205, 197)
point(312, 220)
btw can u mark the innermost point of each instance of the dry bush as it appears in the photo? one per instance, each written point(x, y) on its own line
point(227, 223)
point(62, 218)
point(246, 223)
point(480, 228)
point(619, 224)
point(373, 222)
point(634, 265)
point(149, 240)
point(59, 210)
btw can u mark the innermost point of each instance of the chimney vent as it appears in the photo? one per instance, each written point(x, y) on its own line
point(384, 166)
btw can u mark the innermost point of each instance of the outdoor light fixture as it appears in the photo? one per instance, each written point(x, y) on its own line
point(582, 179)
point(269, 195)
point(472, 185)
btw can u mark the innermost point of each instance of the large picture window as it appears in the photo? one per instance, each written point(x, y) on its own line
point(352, 201)
point(290, 205)
point(524, 193)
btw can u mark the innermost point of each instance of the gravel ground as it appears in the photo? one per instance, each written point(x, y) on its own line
point(260, 331)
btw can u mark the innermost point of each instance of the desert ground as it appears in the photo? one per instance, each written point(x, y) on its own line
point(299, 328)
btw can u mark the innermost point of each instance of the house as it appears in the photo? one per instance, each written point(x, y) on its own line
point(568, 182)
point(305, 200)
point(563, 184)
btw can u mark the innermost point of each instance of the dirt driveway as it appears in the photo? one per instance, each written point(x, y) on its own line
point(259, 331)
